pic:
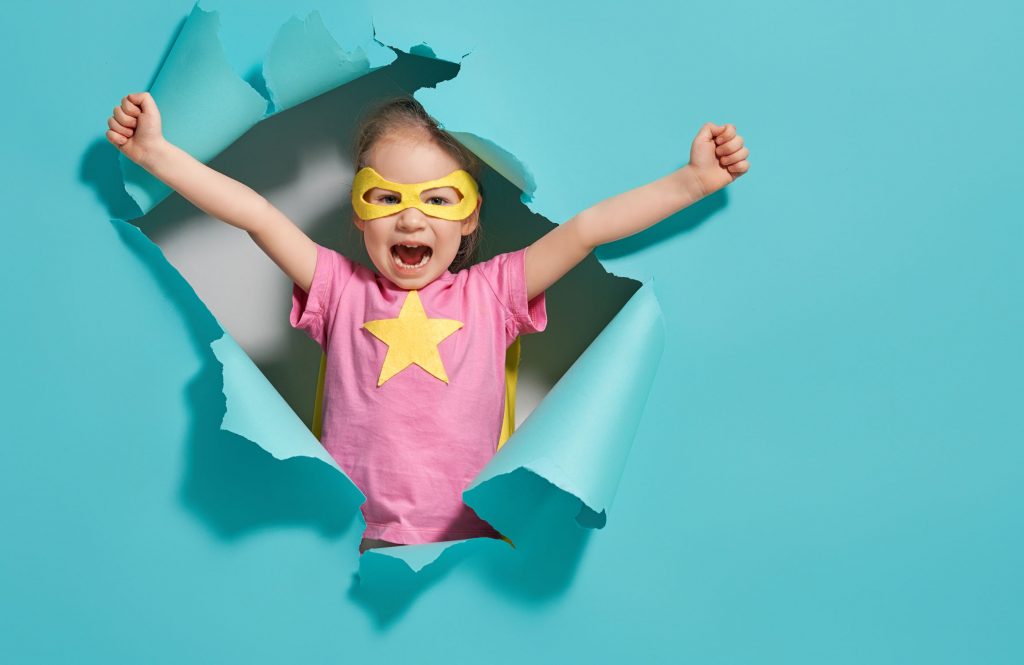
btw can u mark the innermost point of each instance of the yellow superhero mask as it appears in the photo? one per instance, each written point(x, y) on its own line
point(410, 195)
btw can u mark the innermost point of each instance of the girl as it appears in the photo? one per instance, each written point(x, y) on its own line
point(415, 353)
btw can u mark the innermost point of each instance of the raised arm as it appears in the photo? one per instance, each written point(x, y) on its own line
point(717, 158)
point(135, 129)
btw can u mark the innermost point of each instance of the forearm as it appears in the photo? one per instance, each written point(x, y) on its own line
point(209, 190)
point(637, 209)
point(559, 250)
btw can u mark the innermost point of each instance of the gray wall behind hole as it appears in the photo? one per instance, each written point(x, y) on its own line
point(301, 161)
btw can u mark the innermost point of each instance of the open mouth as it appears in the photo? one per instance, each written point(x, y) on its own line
point(411, 257)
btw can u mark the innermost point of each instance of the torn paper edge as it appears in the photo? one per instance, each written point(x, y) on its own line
point(635, 338)
point(254, 409)
point(633, 343)
point(242, 421)
point(501, 161)
point(206, 106)
point(310, 39)
point(415, 557)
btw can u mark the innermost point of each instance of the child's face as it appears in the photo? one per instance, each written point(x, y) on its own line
point(412, 156)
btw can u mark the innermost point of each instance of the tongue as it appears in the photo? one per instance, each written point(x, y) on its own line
point(411, 256)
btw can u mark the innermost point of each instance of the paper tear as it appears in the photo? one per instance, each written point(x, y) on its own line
point(571, 451)
point(413, 44)
point(390, 577)
point(557, 458)
point(205, 106)
point(305, 61)
point(577, 455)
point(255, 410)
point(501, 161)
point(423, 50)
point(414, 557)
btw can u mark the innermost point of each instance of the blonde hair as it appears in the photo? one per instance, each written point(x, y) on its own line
point(405, 112)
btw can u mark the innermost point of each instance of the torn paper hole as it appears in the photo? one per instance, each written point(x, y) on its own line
point(576, 441)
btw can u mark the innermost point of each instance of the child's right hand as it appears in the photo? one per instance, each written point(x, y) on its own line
point(135, 126)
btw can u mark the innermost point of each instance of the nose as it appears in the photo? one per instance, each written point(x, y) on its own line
point(410, 219)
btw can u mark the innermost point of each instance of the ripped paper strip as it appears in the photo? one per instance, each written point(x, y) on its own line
point(579, 436)
point(501, 161)
point(305, 61)
point(569, 454)
point(205, 106)
point(255, 410)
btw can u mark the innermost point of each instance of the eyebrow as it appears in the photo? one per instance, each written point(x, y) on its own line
point(458, 194)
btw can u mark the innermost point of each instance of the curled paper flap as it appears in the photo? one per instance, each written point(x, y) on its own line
point(501, 161)
point(205, 106)
point(567, 458)
point(255, 410)
point(305, 61)
point(579, 437)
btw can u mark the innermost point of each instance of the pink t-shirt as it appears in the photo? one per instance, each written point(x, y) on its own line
point(415, 442)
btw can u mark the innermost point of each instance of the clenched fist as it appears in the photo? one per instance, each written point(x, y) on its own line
point(135, 126)
point(718, 156)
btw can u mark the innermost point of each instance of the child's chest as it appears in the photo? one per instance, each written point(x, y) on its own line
point(442, 346)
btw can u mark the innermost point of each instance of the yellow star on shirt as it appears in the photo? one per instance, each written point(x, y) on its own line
point(412, 338)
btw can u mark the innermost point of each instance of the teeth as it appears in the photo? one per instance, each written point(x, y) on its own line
point(398, 260)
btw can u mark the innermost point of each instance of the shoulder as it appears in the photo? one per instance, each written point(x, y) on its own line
point(501, 268)
point(336, 266)
point(505, 276)
point(332, 256)
point(500, 276)
point(499, 265)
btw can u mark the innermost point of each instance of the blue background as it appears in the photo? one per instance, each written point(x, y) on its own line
point(829, 467)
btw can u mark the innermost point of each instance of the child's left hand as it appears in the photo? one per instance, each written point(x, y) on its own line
point(717, 156)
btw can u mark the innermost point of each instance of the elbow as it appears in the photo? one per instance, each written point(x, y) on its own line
point(256, 220)
point(582, 228)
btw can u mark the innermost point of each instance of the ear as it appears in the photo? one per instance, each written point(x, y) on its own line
point(473, 221)
point(359, 222)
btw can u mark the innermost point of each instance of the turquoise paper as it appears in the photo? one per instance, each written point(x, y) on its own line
point(828, 465)
point(568, 455)
point(563, 442)
point(579, 437)
point(204, 105)
point(305, 61)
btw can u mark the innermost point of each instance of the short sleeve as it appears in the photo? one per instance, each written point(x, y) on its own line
point(506, 274)
point(311, 312)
